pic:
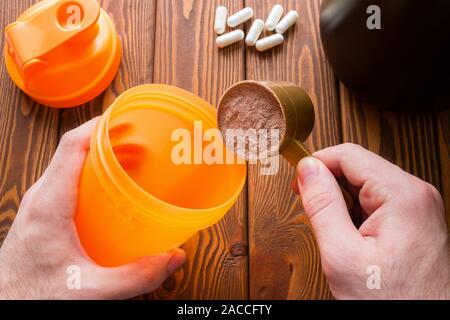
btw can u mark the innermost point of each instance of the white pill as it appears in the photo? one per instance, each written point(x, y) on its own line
point(254, 32)
point(274, 17)
point(221, 19)
point(229, 38)
point(269, 42)
point(288, 21)
point(240, 17)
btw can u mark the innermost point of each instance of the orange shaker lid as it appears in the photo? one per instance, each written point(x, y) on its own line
point(62, 53)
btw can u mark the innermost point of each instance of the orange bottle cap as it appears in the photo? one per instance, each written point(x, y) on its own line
point(62, 53)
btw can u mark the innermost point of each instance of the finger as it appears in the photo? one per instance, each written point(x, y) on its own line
point(377, 178)
point(142, 276)
point(351, 189)
point(325, 206)
point(357, 214)
point(65, 168)
point(28, 196)
point(355, 163)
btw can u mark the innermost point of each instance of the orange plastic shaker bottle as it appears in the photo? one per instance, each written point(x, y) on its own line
point(134, 200)
point(62, 53)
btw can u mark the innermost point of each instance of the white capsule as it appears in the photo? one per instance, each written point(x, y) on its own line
point(254, 32)
point(240, 17)
point(274, 17)
point(229, 38)
point(221, 19)
point(288, 21)
point(269, 42)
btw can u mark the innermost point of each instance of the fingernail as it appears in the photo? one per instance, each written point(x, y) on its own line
point(308, 169)
point(176, 261)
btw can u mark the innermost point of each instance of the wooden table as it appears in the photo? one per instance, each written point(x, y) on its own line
point(264, 248)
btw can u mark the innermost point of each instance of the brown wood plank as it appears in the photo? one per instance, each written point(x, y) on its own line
point(443, 128)
point(28, 133)
point(284, 258)
point(135, 24)
point(186, 56)
point(409, 140)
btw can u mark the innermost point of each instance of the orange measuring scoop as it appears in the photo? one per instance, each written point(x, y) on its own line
point(62, 53)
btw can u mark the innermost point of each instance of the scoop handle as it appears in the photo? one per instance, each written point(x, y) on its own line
point(296, 151)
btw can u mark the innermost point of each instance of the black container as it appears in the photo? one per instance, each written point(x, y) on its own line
point(405, 64)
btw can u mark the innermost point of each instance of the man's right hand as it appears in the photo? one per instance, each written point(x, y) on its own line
point(401, 250)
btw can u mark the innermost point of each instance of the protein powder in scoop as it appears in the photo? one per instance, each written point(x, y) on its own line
point(251, 121)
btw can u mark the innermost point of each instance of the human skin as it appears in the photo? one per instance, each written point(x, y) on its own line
point(403, 234)
point(43, 244)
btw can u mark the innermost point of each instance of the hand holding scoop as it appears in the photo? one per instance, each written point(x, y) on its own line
point(253, 108)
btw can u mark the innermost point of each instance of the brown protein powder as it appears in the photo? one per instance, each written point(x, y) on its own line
point(254, 109)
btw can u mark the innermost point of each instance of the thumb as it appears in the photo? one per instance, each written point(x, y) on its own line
point(324, 205)
point(141, 276)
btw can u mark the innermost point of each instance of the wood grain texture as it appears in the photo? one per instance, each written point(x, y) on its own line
point(406, 139)
point(28, 133)
point(417, 142)
point(284, 257)
point(265, 247)
point(135, 24)
point(186, 56)
point(443, 131)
